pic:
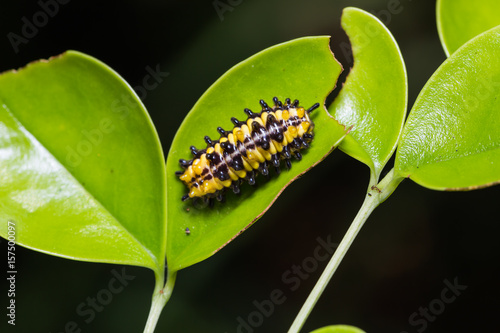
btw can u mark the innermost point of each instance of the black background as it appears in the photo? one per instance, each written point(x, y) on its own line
point(398, 263)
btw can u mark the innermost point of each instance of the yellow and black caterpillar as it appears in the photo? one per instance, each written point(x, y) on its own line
point(263, 140)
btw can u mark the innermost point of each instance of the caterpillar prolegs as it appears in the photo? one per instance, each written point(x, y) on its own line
point(252, 146)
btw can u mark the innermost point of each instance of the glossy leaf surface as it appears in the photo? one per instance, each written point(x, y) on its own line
point(374, 97)
point(338, 329)
point(451, 139)
point(82, 173)
point(303, 69)
point(459, 21)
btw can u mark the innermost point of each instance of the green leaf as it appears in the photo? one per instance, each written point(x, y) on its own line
point(375, 95)
point(452, 137)
point(302, 69)
point(459, 21)
point(81, 167)
point(338, 329)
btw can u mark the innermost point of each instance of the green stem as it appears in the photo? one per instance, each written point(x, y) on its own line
point(375, 196)
point(161, 296)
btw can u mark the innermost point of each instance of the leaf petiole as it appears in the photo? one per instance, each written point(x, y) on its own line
point(161, 296)
point(375, 196)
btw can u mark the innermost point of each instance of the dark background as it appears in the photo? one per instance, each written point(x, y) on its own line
point(398, 263)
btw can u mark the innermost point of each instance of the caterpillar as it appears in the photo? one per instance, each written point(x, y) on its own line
point(263, 140)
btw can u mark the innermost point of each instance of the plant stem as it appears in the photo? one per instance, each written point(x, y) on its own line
point(375, 196)
point(160, 298)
